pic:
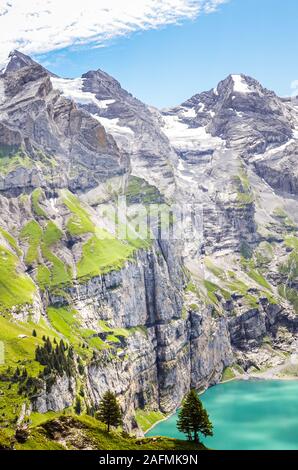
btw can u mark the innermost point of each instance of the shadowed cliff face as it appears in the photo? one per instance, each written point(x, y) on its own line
point(147, 318)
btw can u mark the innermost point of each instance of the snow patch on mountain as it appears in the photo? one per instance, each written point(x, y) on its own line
point(184, 172)
point(274, 152)
point(2, 93)
point(113, 127)
point(105, 103)
point(240, 85)
point(183, 137)
point(73, 89)
point(191, 112)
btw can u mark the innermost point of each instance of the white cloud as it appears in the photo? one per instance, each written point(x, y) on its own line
point(40, 26)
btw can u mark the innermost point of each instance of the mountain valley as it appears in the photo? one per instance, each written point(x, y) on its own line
point(151, 313)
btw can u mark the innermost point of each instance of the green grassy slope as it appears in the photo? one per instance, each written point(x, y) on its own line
point(69, 432)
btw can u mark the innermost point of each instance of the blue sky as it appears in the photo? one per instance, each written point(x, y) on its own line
point(167, 64)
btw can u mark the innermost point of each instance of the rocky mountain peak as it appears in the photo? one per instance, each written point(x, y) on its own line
point(236, 90)
point(101, 83)
point(240, 111)
point(244, 93)
point(17, 60)
point(238, 84)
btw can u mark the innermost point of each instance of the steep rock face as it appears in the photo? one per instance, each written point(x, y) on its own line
point(60, 396)
point(132, 375)
point(142, 293)
point(146, 294)
point(163, 354)
point(249, 329)
point(228, 225)
point(279, 168)
point(211, 350)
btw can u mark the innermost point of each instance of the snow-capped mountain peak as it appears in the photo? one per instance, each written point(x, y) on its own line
point(240, 84)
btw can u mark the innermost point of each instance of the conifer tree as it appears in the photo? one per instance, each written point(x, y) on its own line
point(78, 406)
point(193, 419)
point(109, 411)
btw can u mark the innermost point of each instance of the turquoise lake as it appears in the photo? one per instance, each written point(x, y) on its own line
point(247, 415)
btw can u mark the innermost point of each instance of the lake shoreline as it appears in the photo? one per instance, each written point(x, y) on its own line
point(161, 421)
point(258, 377)
point(242, 418)
point(263, 376)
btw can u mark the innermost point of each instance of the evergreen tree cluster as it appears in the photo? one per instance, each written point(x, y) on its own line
point(27, 385)
point(31, 386)
point(56, 358)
